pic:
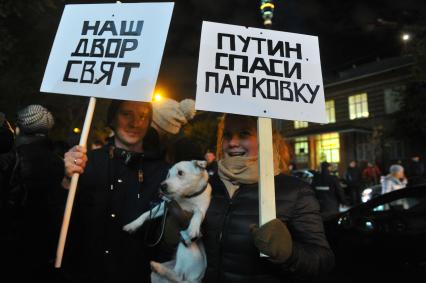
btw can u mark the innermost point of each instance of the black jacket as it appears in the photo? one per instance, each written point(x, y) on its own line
point(110, 195)
point(353, 176)
point(34, 208)
point(329, 193)
point(231, 254)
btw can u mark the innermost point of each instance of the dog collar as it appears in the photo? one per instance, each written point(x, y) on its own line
point(198, 193)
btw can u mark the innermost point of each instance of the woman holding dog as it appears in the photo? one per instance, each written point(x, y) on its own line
point(294, 241)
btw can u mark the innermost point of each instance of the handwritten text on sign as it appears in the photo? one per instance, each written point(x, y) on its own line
point(260, 73)
point(115, 47)
point(108, 50)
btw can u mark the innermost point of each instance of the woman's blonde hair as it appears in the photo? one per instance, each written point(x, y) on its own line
point(281, 149)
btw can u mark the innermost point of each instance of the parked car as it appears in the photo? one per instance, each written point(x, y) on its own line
point(383, 239)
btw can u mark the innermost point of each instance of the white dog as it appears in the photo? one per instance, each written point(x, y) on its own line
point(187, 184)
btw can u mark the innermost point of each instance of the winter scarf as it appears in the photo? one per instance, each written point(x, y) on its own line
point(237, 170)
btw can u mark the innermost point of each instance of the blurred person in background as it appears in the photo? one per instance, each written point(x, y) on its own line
point(210, 157)
point(371, 174)
point(328, 190)
point(396, 179)
point(35, 197)
point(353, 178)
point(416, 171)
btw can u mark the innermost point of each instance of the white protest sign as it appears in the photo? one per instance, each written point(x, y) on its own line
point(108, 50)
point(258, 72)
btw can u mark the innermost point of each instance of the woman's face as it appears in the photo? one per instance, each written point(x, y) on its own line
point(239, 137)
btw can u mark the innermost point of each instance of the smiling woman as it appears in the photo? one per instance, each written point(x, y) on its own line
point(294, 242)
point(244, 128)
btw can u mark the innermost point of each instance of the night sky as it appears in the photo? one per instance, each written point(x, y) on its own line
point(350, 33)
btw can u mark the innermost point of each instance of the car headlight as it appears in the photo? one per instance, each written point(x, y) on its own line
point(366, 195)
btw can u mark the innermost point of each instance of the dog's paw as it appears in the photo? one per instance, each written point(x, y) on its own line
point(131, 227)
point(193, 233)
point(156, 267)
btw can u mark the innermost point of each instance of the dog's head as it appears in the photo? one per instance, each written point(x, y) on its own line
point(184, 179)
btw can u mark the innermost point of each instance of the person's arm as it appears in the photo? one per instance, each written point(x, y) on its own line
point(312, 256)
point(301, 250)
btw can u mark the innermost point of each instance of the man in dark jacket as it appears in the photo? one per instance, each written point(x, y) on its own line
point(416, 171)
point(353, 178)
point(328, 190)
point(120, 182)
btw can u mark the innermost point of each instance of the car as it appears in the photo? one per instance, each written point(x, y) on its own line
point(383, 239)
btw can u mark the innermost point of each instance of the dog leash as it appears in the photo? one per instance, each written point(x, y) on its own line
point(163, 224)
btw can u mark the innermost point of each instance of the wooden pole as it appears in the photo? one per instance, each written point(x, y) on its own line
point(73, 186)
point(267, 209)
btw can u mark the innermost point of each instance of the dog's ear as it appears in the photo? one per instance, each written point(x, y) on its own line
point(200, 163)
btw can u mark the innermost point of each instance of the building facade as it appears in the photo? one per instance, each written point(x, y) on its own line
point(361, 105)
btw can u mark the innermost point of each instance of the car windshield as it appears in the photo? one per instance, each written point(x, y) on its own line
point(407, 203)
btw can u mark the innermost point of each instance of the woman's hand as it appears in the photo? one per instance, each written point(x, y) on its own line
point(274, 240)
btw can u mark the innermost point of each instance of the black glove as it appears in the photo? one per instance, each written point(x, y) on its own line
point(274, 240)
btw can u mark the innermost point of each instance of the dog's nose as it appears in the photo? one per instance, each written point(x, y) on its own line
point(163, 187)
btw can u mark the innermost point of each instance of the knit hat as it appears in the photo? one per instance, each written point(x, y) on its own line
point(34, 119)
point(170, 115)
point(395, 168)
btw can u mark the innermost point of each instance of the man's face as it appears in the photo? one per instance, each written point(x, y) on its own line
point(131, 123)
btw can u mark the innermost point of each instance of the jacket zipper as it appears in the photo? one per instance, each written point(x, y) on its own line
point(225, 223)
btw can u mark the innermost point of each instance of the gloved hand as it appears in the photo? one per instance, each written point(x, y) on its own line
point(274, 240)
point(177, 220)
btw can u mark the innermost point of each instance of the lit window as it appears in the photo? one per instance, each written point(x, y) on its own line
point(358, 106)
point(301, 149)
point(328, 148)
point(301, 146)
point(300, 124)
point(331, 113)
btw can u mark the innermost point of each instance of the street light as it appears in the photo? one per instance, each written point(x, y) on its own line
point(267, 10)
point(76, 130)
point(405, 37)
point(158, 97)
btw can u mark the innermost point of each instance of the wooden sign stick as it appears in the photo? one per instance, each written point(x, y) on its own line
point(267, 209)
point(73, 186)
